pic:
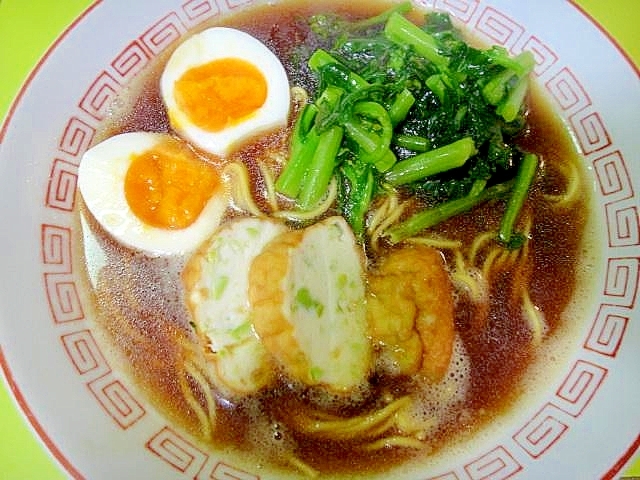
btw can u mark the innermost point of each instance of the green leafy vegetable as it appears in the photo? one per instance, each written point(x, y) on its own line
point(414, 108)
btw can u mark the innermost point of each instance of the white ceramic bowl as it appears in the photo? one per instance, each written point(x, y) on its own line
point(584, 421)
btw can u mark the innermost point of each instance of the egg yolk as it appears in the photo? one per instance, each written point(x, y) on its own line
point(168, 186)
point(220, 93)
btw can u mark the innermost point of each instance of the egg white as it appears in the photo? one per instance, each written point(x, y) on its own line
point(101, 177)
point(214, 44)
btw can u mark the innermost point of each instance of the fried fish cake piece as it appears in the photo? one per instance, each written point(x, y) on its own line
point(410, 312)
point(216, 281)
point(307, 293)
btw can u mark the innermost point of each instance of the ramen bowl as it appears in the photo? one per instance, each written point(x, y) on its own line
point(573, 415)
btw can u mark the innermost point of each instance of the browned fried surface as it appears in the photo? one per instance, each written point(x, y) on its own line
point(410, 311)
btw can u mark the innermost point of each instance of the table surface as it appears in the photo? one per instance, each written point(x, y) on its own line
point(31, 26)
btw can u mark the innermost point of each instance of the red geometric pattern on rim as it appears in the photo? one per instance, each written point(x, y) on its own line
point(163, 33)
point(591, 132)
point(197, 11)
point(222, 471)
point(55, 244)
point(613, 176)
point(63, 298)
point(130, 61)
point(499, 28)
point(496, 464)
point(99, 96)
point(237, 3)
point(568, 91)
point(61, 192)
point(177, 452)
point(77, 137)
point(542, 431)
point(116, 400)
point(623, 224)
point(84, 353)
point(621, 281)
point(579, 387)
point(537, 435)
point(463, 10)
point(607, 331)
point(544, 56)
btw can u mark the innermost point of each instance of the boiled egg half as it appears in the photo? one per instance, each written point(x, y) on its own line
point(221, 87)
point(152, 192)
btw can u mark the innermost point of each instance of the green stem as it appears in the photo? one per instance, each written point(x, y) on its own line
point(437, 86)
point(400, 107)
point(429, 163)
point(302, 127)
point(366, 140)
point(357, 189)
point(414, 143)
point(433, 216)
point(384, 132)
point(498, 89)
point(495, 90)
point(321, 59)
point(521, 65)
point(386, 161)
point(321, 168)
point(303, 144)
point(401, 31)
point(524, 179)
point(510, 106)
point(291, 179)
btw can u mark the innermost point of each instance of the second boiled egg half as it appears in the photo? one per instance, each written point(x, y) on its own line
point(221, 87)
point(152, 192)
